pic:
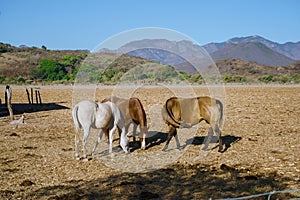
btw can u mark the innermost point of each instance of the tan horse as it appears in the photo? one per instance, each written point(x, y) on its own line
point(187, 112)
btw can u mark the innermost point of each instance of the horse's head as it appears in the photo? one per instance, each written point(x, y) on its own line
point(125, 143)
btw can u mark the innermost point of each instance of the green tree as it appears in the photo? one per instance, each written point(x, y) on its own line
point(38, 74)
point(51, 70)
point(69, 60)
point(44, 47)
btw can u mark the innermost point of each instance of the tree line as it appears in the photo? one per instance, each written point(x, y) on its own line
point(65, 71)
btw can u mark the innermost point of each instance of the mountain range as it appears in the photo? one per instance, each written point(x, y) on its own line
point(256, 49)
point(250, 49)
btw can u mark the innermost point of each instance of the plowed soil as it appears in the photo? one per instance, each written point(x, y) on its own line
point(261, 136)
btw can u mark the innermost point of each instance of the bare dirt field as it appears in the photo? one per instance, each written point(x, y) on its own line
point(260, 134)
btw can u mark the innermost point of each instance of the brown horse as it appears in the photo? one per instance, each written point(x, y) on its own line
point(133, 112)
point(187, 112)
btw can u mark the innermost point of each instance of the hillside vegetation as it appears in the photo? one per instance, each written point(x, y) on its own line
point(32, 65)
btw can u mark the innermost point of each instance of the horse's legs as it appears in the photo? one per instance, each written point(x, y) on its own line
point(126, 128)
point(123, 139)
point(213, 130)
point(208, 138)
point(134, 131)
point(143, 131)
point(111, 135)
point(177, 140)
point(76, 145)
point(86, 133)
point(219, 133)
point(172, 132)
point(107, 135)
point(97, 142)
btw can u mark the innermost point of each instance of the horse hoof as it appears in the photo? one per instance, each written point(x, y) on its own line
point(85, 160)
point(77, 158)
point(205, 148)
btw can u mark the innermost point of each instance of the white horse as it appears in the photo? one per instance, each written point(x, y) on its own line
point(104, 116)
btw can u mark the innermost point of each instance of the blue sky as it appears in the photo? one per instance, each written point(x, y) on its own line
point(74, 24)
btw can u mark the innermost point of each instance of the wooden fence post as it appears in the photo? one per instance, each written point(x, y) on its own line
point(40, 97)
point(31, 91)
point(28, 96)
point(36, 97)
point(8, 95)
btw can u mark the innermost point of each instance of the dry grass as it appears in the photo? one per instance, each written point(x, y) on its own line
point(261, 133)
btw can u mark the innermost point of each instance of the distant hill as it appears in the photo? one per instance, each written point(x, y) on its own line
point(252, 52)
point(145, 63)
point(23, 65)
point(250, 49)
point(251, 70)
point(20, 61)
point(162, 51)
point(289, 49)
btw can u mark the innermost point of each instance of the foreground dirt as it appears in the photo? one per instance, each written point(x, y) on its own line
point(261, 136)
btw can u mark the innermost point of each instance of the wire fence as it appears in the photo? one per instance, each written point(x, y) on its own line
point(269, 194)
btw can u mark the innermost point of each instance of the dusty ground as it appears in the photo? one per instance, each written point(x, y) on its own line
point(261, 135)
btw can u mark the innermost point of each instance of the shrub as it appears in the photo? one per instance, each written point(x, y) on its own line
point(2, 79)
point(196, 78)
point(234, 79)
point(2, 49)
point(296, 78)
point(184, 75)
point(10, 80)
point(21, 80)
point(266, 79)
point(284, 79)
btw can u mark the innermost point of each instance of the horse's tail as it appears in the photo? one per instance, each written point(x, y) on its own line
point(168, 115)
point(220, 106)
point(75, 118)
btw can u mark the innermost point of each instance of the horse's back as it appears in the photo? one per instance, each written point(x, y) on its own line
point(190, 110)
point(86, 107)
point(85, 112)
point(116, 113)
point(137, 111)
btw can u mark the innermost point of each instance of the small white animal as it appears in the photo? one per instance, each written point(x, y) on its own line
point(18, 121)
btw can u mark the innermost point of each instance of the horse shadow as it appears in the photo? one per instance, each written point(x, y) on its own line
point(157, 138)
point(161, 137)
point(227, 140)
point(20, 108)
point(154, 139)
